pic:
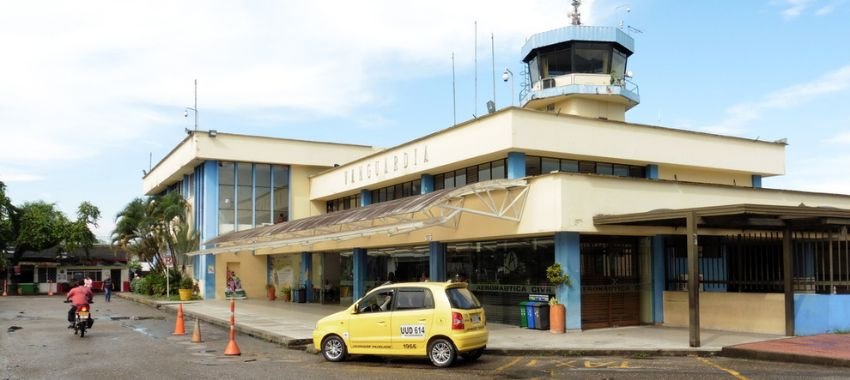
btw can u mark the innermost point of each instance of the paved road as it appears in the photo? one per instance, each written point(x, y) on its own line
point(131, 341)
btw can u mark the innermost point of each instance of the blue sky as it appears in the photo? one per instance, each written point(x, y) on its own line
point(90, 90)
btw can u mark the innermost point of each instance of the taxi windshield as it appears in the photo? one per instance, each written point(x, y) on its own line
point(462, 298)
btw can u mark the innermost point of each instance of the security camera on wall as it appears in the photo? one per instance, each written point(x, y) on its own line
point(505, 77)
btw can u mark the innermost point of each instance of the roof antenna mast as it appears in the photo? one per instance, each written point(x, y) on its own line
point(576, 16)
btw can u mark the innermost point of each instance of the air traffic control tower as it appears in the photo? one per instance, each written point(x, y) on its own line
point(579, 70)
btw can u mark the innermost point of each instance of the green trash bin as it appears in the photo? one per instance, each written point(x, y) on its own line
point(523, 314)
point(27, 288)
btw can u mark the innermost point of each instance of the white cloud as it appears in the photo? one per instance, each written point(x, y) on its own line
point(738, 116)
point(81, 76)
point(794, 8)
point(841, 138)
point(7, 177)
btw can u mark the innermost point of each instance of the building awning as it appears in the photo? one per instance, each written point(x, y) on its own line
point(438, 208)
point(737, 216)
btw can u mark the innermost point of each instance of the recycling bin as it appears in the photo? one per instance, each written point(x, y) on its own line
point(541, 316)
point(523, 314)
point(529, 310)
point(26, 288)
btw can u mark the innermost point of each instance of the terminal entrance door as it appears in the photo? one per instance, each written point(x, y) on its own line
point(610, 282)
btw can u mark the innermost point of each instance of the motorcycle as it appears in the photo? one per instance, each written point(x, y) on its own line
point(82, 319)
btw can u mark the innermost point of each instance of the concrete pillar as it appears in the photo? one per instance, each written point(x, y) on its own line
point(658, 279)
point(426, 184)
point(516, 165)
point(359, 276)
point(756, 181)
point(652, 171)
point(365, 197)
point(307, 274)
point(568, 254)
point(437, 261)
point(209, 224)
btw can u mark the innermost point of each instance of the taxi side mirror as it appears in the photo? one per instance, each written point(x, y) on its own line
point(356, 309)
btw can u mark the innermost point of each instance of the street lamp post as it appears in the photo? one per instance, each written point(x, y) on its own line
point(195, 108)
point(509, 75)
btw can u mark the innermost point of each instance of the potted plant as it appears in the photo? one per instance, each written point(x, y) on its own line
point(286, 293)
point(557, 312)
point(270, 292)
point(185, 290)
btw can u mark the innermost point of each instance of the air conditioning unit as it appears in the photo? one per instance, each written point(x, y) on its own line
point(548, 83)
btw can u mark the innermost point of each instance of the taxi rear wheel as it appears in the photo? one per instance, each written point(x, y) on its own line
point(333, 349)
point(441, 352)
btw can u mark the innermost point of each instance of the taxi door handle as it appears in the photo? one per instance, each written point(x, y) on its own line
point(423, 320)
point(382, 323)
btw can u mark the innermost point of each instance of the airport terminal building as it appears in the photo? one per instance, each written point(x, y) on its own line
point(628, 210)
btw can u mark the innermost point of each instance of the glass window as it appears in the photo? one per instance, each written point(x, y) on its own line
point(460, 177)
point(417, 187)
point(484, 172)
point(472, 174)
point(592, 58)
point(603, 168)
point(449, 180)
point(587, 167)
point(412, 299)
point(498, 169)
point(376, 302)
point(226, 201)
point(406, 189)
point(263, 201)
point(382, 195)
point(569, 166)
point(462, 298)
point(439, 183)
point(244, 195)
point(281, 193)
point(621, 170)
point(637, 172)
point(618, 65)
point(534, 70)
point(532, 165)
point(399, 191)
point(550, 165)
point(557, 63)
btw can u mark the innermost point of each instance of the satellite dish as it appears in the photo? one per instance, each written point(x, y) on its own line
point(629, 74)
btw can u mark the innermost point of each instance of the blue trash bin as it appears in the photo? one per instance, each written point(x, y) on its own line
point(530, 313)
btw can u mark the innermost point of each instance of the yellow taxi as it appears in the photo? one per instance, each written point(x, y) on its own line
point(440, 320)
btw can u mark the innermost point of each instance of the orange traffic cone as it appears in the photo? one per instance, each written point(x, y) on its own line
point(232, 348)
point(196, 333)
point(180, 326)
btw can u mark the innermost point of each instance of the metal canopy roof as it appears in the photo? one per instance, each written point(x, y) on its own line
point(754, 216)
point(403, 215)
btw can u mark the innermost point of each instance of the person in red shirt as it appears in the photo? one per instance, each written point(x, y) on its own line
point(78, 296)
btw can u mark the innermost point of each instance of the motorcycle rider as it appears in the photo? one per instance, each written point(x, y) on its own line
point(78, 296)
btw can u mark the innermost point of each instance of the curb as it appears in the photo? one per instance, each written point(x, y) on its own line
point(282, 340)
point(742, 353)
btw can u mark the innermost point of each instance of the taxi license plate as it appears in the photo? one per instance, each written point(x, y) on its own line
point(84, 314)
point(476, 318)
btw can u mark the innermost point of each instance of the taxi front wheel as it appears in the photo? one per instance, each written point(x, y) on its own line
point(333, 349)
point(441, 352)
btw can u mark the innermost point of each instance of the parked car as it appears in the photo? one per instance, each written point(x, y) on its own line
point(429, 319)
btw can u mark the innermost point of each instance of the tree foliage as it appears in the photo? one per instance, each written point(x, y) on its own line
point(39, 225)
point(155, 226)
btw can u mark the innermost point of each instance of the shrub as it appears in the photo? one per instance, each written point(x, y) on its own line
point(187, 283)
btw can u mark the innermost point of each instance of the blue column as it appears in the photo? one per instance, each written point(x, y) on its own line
point(359, 277)
point(756, 181)
point(516, 165)
point(209, 224)
point(307, 272)
point(365, 198)
point(426, 184)
point(437, 261)
point(568, 254)
point(652, 171)
point(658, 279)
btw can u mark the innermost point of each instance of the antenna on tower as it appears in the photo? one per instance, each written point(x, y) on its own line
point(576, 16)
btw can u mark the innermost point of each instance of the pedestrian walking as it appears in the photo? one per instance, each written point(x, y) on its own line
point(107, 289)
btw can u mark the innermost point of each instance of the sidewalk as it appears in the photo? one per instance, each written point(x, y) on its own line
point(292, 325)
